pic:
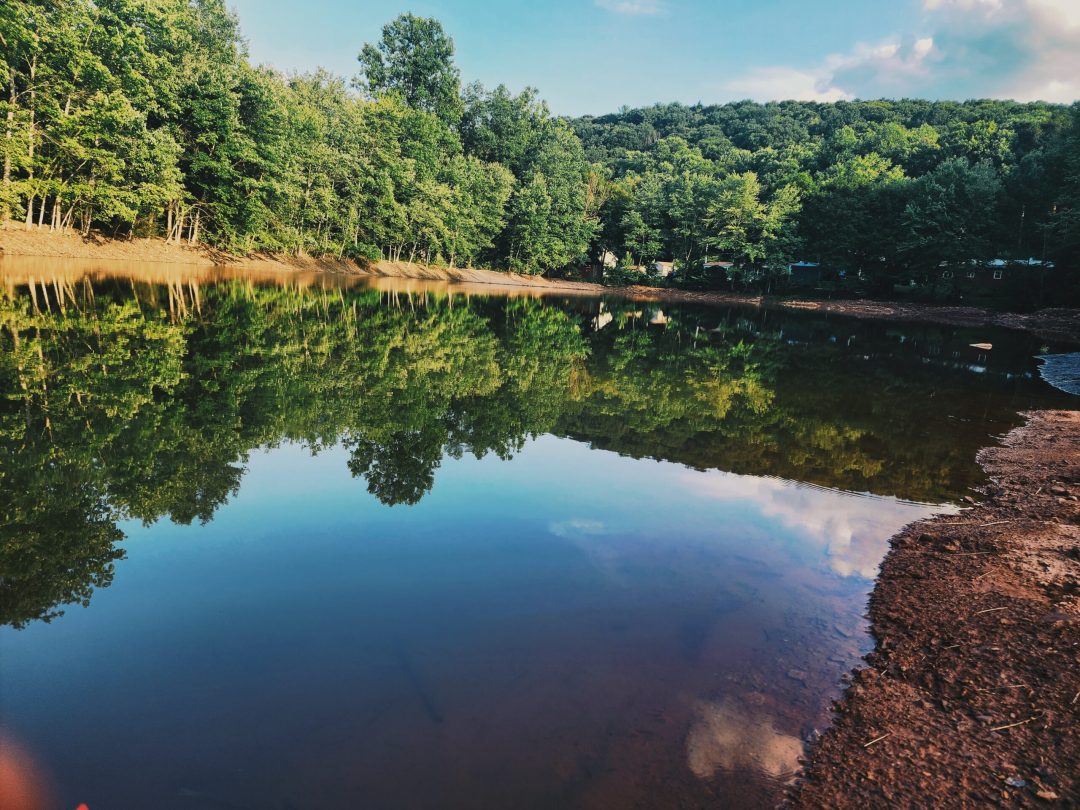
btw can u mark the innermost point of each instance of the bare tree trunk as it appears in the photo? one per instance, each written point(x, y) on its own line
point(55, 214)
point(41, 213)
point(194, 236)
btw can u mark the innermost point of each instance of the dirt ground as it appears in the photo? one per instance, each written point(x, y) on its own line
point(15, 240)
point(972, 695)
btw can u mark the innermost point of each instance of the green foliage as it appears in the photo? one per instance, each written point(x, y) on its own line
point(949, 217)
point(415, 60)
point(144, 116)
point(881, 190)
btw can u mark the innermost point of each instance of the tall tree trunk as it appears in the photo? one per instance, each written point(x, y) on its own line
point(9, 134)
point(30, 145)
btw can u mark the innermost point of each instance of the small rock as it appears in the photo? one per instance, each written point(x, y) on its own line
point(1016, 782)
point(811, 735)
point(1047, 795)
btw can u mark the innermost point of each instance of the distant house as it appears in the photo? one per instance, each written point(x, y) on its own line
point(664, 269)
point(658, 318)
point(990, 273)
point(714, 266)
point(805, 272)
point(608, 260)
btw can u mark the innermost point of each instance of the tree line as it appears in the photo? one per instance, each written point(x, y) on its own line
point(146, 118)
point(884, 190)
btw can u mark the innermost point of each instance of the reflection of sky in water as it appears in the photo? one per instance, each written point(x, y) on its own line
point(588, 626)
point(851, 531)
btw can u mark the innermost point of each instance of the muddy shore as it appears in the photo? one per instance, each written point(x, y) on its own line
point(1051, 324)
point(972, 695)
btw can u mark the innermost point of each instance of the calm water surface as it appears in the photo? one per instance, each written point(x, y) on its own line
point(298, 542)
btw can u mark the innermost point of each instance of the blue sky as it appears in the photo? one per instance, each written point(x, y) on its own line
point(592, 56)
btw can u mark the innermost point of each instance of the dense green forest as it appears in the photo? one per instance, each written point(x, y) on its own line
point(133, 401)
point(145, 117)
point(891, 190)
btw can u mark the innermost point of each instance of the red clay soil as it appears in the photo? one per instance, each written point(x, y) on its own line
point(972, 697)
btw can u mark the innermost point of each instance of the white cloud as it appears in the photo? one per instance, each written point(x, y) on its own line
point(892, 62)
point(1023, 49)
point(773, 83)
point(969, 6)
point(838, 76)
point(632, 8)
point(1052, 37)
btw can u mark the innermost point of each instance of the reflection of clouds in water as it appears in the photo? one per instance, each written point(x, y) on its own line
point(853, 530)
point(577, 527)
point(727, 736)
point(593, 538)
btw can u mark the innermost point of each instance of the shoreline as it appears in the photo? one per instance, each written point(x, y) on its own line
point(971, 696)
point(16, 242)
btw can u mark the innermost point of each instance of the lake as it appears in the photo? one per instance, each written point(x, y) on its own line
point(273, 541)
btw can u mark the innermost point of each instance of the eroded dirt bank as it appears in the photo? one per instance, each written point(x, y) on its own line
point(16, 241)
point(972, 697)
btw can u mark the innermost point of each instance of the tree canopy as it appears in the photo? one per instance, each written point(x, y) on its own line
point(885, 191)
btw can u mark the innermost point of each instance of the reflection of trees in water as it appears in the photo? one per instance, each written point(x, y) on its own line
point(137, 401)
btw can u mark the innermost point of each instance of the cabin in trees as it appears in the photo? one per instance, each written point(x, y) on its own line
point(716, 271)
point(991, 274)
point(805, 273)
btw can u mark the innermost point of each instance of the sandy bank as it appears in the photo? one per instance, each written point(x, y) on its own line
point(972, 696)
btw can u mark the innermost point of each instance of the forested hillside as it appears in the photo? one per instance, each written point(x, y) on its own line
point(145, 117)
point(890, 189)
